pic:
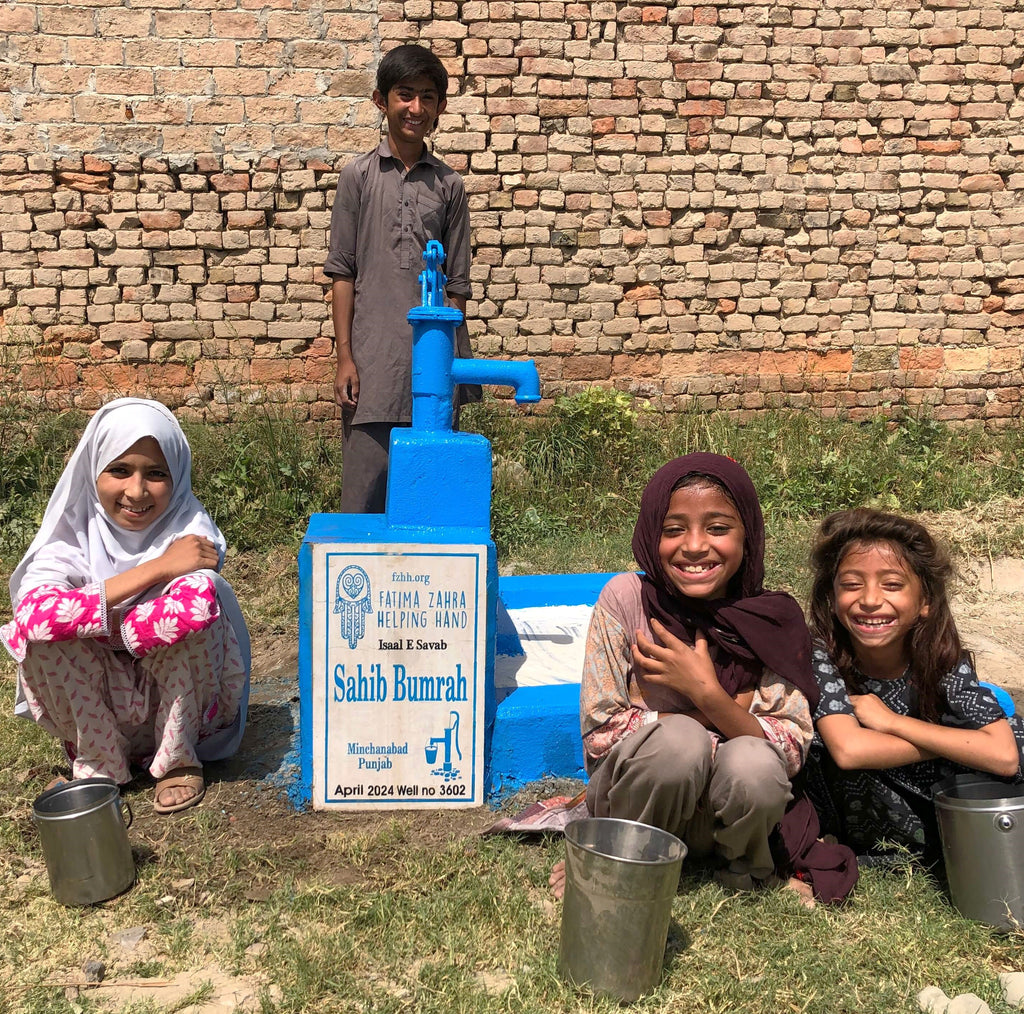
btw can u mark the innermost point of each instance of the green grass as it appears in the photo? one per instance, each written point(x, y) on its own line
point(262, 475)
point(378, 915)
point(567, 485)
point(467, 925)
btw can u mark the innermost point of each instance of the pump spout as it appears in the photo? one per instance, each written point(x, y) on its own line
point(521, 375)
point(435, 371)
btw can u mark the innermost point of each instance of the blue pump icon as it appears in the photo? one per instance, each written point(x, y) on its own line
point(450, 739)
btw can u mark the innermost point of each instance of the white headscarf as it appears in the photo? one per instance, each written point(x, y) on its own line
point(78, 542)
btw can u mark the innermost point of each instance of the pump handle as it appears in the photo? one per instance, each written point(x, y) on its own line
point(432, 278)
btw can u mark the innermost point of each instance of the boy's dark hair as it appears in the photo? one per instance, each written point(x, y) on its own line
point(935, 647)
point(403, 63)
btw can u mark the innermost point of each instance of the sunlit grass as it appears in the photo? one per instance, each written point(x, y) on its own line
point(380, 915)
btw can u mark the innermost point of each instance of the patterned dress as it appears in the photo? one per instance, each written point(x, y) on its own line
point(864, 808)
point(164, 688)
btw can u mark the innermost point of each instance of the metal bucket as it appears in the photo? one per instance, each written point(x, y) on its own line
point(620, 879)
point(981, 822)
point(85, 840)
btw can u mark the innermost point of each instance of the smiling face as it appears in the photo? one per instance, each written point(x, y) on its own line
point(135, 488)
point(879, 600)
point(412, 108)
point(701, 547)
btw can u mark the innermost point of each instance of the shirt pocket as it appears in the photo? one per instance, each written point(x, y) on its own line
point(430, 215)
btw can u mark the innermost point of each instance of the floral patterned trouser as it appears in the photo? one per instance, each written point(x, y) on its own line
point(111, 709)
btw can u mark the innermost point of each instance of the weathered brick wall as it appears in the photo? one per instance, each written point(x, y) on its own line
point(732, 205)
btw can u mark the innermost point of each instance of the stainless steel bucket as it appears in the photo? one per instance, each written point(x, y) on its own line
point(981, 822)
point(85, 840)
point(620, 879)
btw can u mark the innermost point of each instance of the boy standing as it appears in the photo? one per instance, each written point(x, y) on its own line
point(389, 203)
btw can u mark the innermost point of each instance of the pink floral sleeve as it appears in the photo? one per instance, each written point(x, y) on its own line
point(55, 613)
point(188, 605)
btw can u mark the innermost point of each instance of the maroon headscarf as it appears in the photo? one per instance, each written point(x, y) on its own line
point(749, 628)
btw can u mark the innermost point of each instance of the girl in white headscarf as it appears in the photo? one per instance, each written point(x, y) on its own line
point(130, 645)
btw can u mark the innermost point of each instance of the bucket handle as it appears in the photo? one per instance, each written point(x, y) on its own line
point(126, 806)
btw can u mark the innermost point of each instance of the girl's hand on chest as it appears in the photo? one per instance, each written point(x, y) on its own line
point(675, 665)
point(188, 554)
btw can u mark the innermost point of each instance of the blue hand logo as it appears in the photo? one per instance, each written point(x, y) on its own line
point(352, 602)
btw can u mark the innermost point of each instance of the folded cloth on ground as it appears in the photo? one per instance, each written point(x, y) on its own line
point(545, 815)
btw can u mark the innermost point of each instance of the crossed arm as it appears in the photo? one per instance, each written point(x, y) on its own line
point(877, 737)
point(690, 672)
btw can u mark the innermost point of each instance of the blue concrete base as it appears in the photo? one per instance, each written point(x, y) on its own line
point(536, 735)
point(537, 729)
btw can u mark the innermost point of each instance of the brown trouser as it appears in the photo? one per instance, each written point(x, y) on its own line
point(364, 463)
point(663, 774)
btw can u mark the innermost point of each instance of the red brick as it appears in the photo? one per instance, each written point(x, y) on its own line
point(711, 107)
point(229, 182)
point(246, 220)
point(921, 358)
point(160, 219)
point(829, 362)
point(110, 377)
point(587, 368)
point(698, 71)
point(269, 371)
point(87, 183)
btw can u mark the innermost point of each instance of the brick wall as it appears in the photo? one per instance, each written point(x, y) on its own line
point(731, 206)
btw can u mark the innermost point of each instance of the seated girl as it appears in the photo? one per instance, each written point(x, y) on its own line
point(131, 648)
point(694, 698)
point(900, 707)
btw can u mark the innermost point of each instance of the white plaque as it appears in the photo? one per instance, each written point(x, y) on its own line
point(398, 664)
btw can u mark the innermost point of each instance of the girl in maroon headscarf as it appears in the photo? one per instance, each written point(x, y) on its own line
point(696, 686)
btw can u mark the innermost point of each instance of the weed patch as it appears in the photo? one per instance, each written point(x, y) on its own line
point(579, 472)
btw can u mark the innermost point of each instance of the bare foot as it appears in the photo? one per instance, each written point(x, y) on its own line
point(175, 796)
point(557, 879)
point(803, 891)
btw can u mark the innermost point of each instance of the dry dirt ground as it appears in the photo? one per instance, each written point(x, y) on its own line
point(989, 608)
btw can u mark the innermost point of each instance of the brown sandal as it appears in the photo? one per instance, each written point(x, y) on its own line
point(180, 778)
